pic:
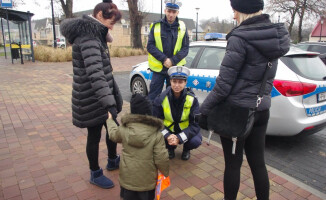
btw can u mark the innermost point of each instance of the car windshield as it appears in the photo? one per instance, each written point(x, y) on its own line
point(191, 56)
point(211, 58)
point(310, 67)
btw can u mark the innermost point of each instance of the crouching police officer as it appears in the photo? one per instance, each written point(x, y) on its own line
point(177, 106)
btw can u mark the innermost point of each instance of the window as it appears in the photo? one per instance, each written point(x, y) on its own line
point(211, 58)
point(318, 48)
point(125, 29)
point(191, 55)
point(310, 67)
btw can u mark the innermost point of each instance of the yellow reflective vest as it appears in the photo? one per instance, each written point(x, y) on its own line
point(156, 65)
point(168, 119)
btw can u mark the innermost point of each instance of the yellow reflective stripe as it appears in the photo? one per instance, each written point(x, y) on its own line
point(153, 63)
point(178, 45)
point(168, 119)
point(186, 112)
point(157, 36)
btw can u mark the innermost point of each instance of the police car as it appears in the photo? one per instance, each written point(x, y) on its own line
point(298, 95)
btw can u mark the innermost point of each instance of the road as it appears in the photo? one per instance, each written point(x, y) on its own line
point(303, 158)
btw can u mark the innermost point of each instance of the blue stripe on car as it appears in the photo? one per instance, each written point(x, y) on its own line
point(275, 92)
point(318, 90)
point(146, 74)
point(203, 83)
point(316, 110)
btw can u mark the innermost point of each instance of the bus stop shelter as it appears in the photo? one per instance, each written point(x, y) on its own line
point(22, 43)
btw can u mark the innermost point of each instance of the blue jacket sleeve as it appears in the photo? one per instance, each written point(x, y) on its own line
point(152, 49)
point(183, 51)
point(158, 112)
point(193, 128)
point(231, 65)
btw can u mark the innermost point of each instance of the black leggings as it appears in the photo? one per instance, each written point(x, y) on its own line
point(254, 146)
point(92, 146)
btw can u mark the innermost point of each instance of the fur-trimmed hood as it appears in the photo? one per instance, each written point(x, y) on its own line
point(140, 129)
point(84, 26)
point(144, 119)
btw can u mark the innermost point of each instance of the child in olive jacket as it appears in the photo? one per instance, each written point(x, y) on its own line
point(143, 152)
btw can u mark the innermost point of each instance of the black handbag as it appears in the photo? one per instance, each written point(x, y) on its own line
point(232, 121)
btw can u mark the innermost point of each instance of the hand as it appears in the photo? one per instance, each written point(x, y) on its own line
point(173, 140)
point(113, 112)
point(203, 121)
point(168, 63)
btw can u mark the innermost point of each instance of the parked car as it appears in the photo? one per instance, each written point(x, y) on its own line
point(298, 95)
point(61, 43)
point(319, 47)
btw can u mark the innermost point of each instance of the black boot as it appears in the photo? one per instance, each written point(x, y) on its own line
point(171, 153)
point(185, 154)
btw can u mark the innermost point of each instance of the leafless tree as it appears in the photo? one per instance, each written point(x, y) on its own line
point(136, 21)
point(67, 6)
point(285, 6)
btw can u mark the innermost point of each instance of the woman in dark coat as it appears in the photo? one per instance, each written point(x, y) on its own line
point(250, 46)
point(95, 92)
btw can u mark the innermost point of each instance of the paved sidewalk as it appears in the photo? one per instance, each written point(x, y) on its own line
point(42, 155)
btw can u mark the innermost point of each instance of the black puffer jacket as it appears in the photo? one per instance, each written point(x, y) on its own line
point(250, 46)
point(94, 89)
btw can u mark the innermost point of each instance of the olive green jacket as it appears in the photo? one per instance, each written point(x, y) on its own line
point(143, 151)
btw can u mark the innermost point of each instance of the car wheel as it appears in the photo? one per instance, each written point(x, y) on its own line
point(138, 86)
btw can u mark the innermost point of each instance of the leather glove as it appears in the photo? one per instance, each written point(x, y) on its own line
point(203, 121)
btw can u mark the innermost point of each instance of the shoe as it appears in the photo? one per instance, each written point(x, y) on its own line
point(185, 155)
point(171, 153)
point(113, 163)
point(97, 178)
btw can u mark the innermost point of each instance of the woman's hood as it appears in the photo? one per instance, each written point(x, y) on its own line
point(84, 26)
point(272, 40)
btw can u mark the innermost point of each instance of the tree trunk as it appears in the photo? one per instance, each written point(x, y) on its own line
point(67, 8)
point(136, 21)
point(292, 21)
point(301, 15)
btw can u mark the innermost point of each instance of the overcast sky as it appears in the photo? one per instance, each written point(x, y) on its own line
point(208, 8)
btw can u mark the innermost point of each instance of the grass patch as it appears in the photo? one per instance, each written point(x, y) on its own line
point(49, 54)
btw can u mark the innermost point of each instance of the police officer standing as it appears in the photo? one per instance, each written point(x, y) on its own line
point(177, 106)
point(168, 45)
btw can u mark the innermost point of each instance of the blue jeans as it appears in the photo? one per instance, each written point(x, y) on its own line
point(157, 84)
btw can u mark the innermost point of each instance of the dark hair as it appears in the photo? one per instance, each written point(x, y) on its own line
point(108, 9)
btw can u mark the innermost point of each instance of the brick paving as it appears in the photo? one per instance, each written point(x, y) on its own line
point(42, 155)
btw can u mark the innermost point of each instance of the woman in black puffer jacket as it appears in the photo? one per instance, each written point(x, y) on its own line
point(95, 92)
point(250, 46)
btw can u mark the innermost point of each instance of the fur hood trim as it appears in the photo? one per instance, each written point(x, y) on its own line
point(84, 26)
point(144, 119)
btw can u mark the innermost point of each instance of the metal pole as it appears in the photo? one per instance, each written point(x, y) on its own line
point(321, 29)
point(12, 60)
point(161, 9)
point(4, 39)
point(278, 18)
point(30, 36)
point(53, 25)
point(197, 27)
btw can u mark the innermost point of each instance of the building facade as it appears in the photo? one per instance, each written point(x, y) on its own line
point(121, 33)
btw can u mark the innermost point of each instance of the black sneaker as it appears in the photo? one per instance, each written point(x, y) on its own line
point(185, 155)
point(171, 153)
